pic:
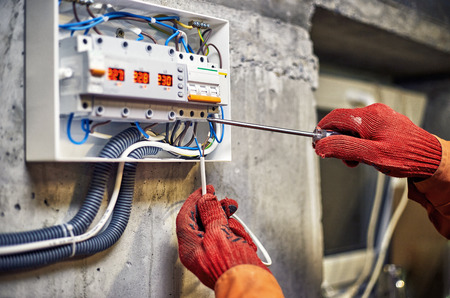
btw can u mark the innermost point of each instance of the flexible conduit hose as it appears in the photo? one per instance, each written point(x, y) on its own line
point(94, 197)
point(100, 242)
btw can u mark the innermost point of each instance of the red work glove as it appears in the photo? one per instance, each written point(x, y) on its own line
point(209, 241)
point(377, 135)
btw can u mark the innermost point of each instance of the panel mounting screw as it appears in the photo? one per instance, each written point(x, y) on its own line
point(120, 33)
point(125, 112)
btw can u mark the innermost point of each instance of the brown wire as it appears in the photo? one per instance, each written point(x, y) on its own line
point(99, 124)
point(92, 16)
point(75, 13)
point(205, 38)
point(193, 135)
point(150, 126)
point(218, 52)
point(181, 136)
point(177, 41)
point(142, 21)
point(149, 36)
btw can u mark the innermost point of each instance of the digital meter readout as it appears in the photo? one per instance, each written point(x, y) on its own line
point(116, 74)
point(141, 77)
point(164, 80)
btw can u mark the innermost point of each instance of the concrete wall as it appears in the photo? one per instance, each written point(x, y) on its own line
point(273, 177)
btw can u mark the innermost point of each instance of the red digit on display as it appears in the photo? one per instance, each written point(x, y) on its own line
point(116, 74)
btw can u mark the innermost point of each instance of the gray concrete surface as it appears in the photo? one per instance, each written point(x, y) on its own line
point(273, 177)
point(400, 20)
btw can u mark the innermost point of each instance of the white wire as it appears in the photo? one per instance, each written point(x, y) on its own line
point(100, 135)
point(169, 148)
point(107, 137)
point(255, 239)
point(20, 248)
point(203, 174)
point(386, 240)
point(268, 259)
point(368, 261)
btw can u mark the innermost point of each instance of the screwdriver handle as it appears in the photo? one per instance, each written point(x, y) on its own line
point(319, 134)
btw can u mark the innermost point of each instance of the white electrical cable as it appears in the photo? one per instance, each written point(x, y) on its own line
point(100, 135)
point(155, 138)
point(184, 35)
point(203, 174)
point(386, 240)
point(268, 259)
point(258, 243)
point(369, 258)
point(170, 148)
point(20, 248)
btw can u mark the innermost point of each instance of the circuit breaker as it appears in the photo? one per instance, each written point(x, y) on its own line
point(97, 68)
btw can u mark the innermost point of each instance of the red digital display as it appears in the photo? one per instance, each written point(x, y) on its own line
point(116, 74)
point(141, 77)
point(164, 80)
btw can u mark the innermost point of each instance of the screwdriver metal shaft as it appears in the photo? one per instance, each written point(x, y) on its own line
point(316, 135)
point(264, 127)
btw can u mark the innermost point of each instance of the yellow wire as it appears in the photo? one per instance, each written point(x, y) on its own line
point(184, 25)
point(203, 40)
point(200, 34)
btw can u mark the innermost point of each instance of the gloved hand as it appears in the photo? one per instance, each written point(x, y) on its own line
point(209, 241)
point(379, 136)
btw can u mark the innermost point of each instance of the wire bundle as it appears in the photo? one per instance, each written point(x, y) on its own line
point(65, 243)
point(86, 25)
point(171, 141)
point(173, 33)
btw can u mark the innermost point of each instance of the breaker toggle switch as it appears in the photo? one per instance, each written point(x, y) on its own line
point(96, 72)
point(204, 98)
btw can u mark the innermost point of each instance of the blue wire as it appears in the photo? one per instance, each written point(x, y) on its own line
point(190, 49)
point(168, 18)
point(184, 44)
point(172, 36)
point(141, 130)
point(167, 26)
point(223, 128)
point(141, 37)
point(84, 127)
point(198, 146)
point(74, 26)
point(68, 25)
point(214, 133)
point(88, 24)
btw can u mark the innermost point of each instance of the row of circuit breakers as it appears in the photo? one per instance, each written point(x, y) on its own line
point(106, 65)
point(114, 79)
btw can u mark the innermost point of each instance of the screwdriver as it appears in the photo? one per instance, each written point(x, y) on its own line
point(316, 135)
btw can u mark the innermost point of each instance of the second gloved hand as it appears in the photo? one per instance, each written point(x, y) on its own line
point(380, 137)
point(209, 241)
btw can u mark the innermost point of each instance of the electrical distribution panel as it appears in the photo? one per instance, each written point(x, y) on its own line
point(98, 68)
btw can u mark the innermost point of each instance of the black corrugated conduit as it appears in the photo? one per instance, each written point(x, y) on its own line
point(107, 237)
